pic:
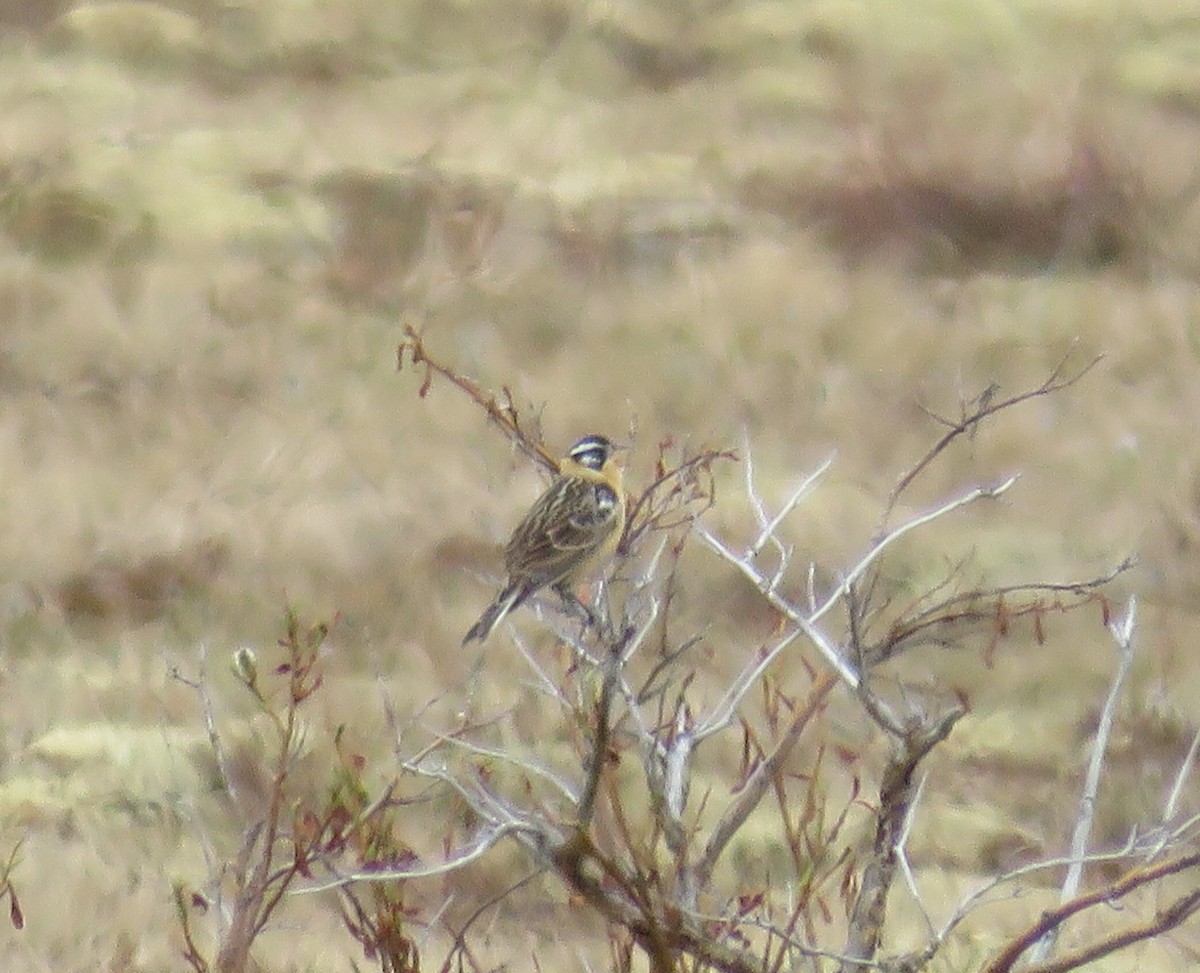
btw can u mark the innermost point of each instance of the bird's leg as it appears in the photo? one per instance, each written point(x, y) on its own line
point(575, 606)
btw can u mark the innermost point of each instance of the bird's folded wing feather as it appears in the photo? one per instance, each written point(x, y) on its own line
point(556, 536)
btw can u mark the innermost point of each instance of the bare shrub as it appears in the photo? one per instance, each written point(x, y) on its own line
point(714, 825)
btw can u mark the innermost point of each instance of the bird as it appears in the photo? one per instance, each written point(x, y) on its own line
point(571, 529)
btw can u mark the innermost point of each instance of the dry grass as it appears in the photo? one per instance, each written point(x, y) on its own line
point(812, 222)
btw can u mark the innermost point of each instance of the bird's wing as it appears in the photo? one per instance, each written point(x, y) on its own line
point(568, 523)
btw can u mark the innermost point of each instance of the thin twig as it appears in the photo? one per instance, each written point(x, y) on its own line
point(1107, 895)
point(725, 710)
point(910, 879)
point(1181, 777)
point(890, 538)
point(802, 490)
point(483, 844)
point(987, 406)
point(598, 758)
point(1122, 630)
point(756, 786)
point(504, 414)
point(826, 647)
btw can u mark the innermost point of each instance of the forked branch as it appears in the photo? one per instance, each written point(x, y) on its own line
point(1165, 918)
point(985, 404)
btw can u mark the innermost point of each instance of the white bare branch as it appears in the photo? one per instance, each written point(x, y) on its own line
point(890, 538)
point(484, 842)
point(902, 856)
point(980, 896)
point(752, 494)
point(802, 490)
point(1181, 777)
point(677, 765)
point(499, 755)
point(724, 712)
point(806, 622)
point(824, 645)
point(1122, 631)
point(544, 681)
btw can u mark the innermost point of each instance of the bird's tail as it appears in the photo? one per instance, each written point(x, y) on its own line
point(506, 601)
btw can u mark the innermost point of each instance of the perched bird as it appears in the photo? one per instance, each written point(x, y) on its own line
point(573, 527)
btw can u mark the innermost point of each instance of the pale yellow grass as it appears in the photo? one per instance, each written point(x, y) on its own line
point(202, 418)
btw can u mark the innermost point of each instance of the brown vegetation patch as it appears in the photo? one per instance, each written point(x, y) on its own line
point(136, 590)
point(31, 15)
point(943, 223)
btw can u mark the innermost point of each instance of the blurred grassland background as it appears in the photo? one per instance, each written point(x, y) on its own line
point(805, 222)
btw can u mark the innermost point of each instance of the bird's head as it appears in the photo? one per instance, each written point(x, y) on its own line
point(592, 452)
